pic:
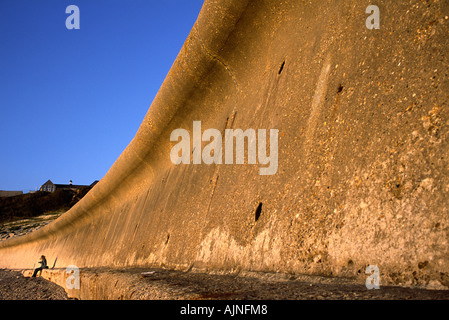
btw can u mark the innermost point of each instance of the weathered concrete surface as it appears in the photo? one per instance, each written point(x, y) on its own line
point(363, 169)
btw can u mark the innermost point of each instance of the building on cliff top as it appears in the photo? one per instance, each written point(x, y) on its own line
point(49, 186)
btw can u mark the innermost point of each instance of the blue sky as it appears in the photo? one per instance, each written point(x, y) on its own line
point(72, 100)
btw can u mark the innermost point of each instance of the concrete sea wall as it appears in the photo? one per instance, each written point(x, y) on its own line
point(363, 169)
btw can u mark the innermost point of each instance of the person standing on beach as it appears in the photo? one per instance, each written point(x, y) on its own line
point(43, 262)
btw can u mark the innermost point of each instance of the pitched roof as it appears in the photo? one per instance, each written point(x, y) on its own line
point(48, 183)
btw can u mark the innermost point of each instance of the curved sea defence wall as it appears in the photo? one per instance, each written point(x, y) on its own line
point(362, 179)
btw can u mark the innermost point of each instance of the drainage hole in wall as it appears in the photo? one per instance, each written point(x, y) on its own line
point(282, 67)
point(340, 88)
point(168, 238)
point(258, 211)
